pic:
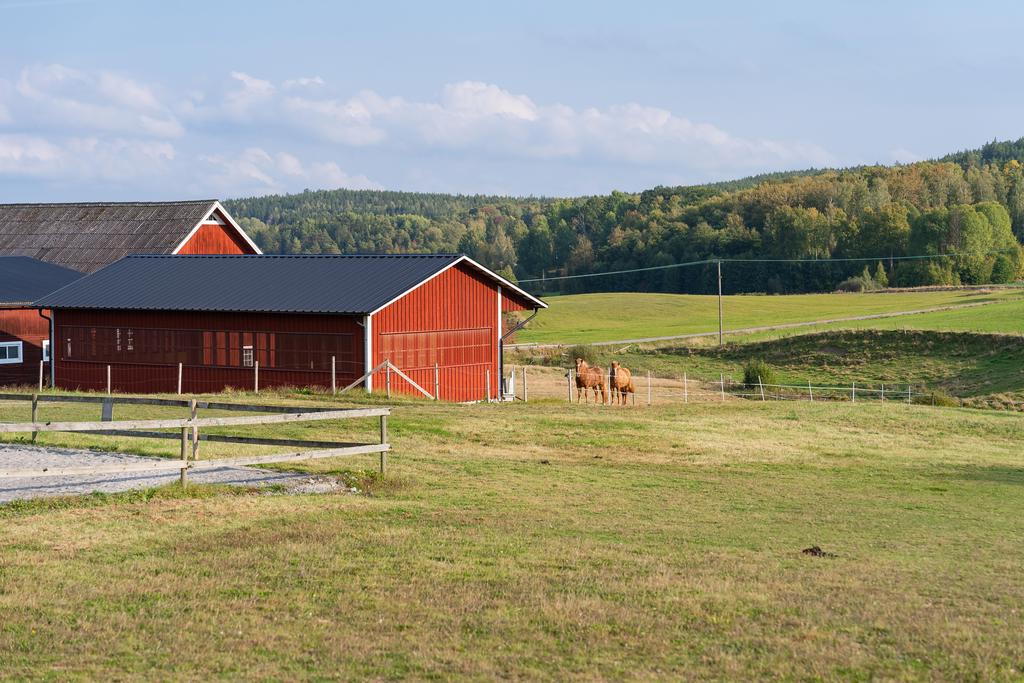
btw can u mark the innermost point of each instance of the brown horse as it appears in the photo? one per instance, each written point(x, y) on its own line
point(622, 382)
point(589, 378)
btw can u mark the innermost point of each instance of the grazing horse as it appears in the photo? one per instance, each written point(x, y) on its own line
point(622, 382)
point(589, 378)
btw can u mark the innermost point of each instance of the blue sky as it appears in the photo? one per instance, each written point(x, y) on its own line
point(120, 100)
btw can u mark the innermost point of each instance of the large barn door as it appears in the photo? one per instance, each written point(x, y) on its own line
point(463, 358)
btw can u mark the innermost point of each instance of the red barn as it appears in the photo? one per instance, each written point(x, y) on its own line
point(86, 237)
point(24, 329)
point(298, 320)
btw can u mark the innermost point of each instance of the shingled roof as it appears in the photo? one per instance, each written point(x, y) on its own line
point(326, 283)
point(23, 279)
point(87, 236)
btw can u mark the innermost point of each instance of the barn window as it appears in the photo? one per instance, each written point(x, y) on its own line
point(10, 353)
point(46, 350)
point(247, 356)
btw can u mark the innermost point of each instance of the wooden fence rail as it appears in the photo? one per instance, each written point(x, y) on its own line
point(187, 430)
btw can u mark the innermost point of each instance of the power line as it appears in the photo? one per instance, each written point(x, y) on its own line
point(759, 260)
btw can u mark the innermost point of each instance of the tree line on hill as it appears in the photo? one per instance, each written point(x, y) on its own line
point(966, 209)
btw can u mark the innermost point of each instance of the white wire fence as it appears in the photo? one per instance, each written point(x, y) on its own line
point(648, 390)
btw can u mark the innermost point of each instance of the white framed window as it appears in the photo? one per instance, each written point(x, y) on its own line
point(247, 356)
point(46, 350)
point(10, 353)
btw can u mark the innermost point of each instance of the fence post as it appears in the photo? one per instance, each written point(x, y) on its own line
point(193, 412)
point(40, 375)
point(184, 456)
point(686, 390)
point(810, 391)
point(487, 383)
point(179, 378)
point(383, 440)
point(568, 383)
point(721, 380)
point(761, 387)
point(437, 382)
point(35, 413)
point(334, 376)
point(387, 378)
point(908, 393)
point(526, 390)
point(256, 376)
point(853, 393)
point(648, 388)
point(883, 392)
point(108, 380)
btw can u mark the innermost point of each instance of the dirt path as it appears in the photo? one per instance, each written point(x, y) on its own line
point(29, 457)
point(761, 328)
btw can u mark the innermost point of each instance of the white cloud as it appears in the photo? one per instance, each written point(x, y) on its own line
point(69, 98)
point(87, 158)
point(304, 82)
point(254, 170)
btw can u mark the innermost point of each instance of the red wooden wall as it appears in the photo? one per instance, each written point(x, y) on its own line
point(451, 320)
point(27, 326)
point(212, 360)
point(212, 238)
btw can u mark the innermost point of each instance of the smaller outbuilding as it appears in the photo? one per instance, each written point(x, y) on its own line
point(25, 330)
point(214, 322)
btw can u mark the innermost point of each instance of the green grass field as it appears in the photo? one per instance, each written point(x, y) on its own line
point(588, 318)
point(546, 541)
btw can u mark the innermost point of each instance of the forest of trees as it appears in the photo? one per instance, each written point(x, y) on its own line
point(968, 205)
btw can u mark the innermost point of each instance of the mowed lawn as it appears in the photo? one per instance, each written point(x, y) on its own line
point(587, 318)
point(547, 541)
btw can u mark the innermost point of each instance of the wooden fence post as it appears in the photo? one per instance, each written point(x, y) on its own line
point(883, 392)
point(908, 394)
point(334, 376)
point(721, 379)
point(179, 378)
point(184, 456)
point(383, 440)
point(568, 383)
point(526, 390)
point(108, 380)
point(387, 378)
point(40, 375)
point(487, 383)
point(648, 388)
point(810, 391)
point(437, 382)
point(193, 412)
point(686, 390)
point(853, 393)
point(761, 387)
point(35, 413)
point(256, 376)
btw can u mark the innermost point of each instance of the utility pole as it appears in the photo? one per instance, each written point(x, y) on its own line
point(720, 342)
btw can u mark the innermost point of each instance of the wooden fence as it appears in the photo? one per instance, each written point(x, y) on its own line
point(190, 434)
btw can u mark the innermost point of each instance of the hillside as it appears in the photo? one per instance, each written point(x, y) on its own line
point(970, 203)
point(605, 317)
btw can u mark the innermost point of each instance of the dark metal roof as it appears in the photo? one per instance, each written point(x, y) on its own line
point(88, 236)
point(352, 284)
point(23, 279)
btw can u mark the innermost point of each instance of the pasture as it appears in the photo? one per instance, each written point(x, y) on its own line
point(589, 318)
point(549, 541)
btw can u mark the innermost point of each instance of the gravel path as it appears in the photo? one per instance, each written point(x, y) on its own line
point(24, 457)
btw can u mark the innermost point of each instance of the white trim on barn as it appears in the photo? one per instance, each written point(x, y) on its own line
point(216, 207)
point(368, 351)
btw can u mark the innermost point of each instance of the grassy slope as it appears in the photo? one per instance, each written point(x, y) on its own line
point(586, 318)
point(651, 543)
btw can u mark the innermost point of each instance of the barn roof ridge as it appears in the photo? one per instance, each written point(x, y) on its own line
point(176, 202)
